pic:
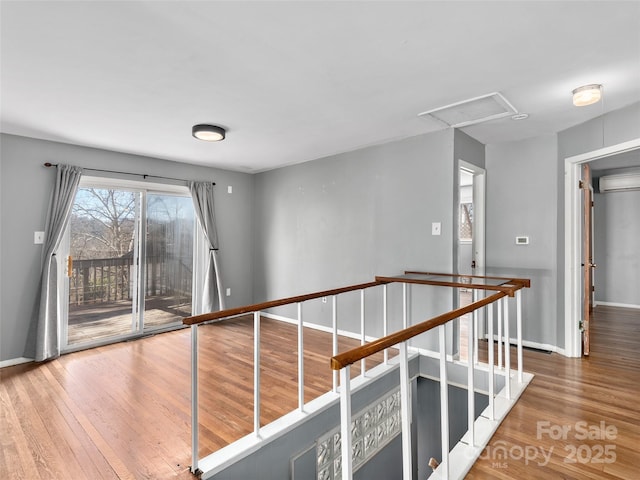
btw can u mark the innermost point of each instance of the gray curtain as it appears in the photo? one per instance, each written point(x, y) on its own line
point(202, 195)
point(48, 323)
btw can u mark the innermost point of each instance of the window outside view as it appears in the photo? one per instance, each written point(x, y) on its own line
point(109, 267)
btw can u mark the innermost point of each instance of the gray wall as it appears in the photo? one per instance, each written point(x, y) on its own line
point(617, 251)
point(25, 189)
point(429, 441)
point(521, 200)
point(344, 219)
point(468, 149)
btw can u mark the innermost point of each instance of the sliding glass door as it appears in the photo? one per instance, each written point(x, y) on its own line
point(129, 263)
point(168, 253)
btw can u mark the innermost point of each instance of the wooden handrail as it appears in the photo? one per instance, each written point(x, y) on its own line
point(356, 354)
point(525, 282)
point(231, 312)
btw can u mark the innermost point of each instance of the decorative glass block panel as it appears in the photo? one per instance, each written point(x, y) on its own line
point(325, 473)
point(381, 410)
point(371, 429)
point(393, 424)
point(356, 428)
point(368, 420)
point(370, 443)
point(324, 451)
point(337, 443)
point(381, 432)
point(357, 451)
point(337, 467)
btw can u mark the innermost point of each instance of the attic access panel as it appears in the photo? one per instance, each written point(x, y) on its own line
point(472, 111)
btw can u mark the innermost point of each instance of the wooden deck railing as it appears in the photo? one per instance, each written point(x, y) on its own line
point(104, 280)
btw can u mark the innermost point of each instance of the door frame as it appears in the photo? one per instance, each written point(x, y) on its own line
point(573, 239)
point(138, 306)
point(478, 240)
point(479, 213)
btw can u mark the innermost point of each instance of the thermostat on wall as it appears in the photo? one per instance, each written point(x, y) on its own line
point(522, 240)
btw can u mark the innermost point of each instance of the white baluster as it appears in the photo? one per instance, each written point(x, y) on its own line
point(345, 422)
point(507, 349)
point(476, 296)
point(335, 338)
point(470, 382)
point(256, 373)
point(363, 362)
point(405, 412)
point(499, 334)
point(405, 315)
point(385, 320)
point(194, 399)
point(490, 362)
point(444, 403)
point(300, 359)
point(519, 334)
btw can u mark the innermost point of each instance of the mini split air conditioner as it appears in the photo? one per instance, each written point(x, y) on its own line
point(616, 183)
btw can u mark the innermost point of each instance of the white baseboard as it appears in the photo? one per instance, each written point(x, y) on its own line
point(322, 328)
point(615, 304)
point(368, 338)
point(15, 361)
point(536, 345)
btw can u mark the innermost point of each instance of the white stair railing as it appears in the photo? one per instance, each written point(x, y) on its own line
point(399, 340)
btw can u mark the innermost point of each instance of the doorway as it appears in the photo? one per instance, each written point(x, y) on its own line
point(573, 268)
point(130, 260)
point(470, 244)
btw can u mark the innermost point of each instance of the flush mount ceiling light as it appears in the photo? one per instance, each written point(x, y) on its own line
point(587, 95)
point(208, 133)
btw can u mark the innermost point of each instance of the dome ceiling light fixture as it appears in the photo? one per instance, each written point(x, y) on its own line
point(208, 133)
point(587, 95)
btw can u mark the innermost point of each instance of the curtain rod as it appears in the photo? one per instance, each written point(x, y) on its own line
point(143, 175)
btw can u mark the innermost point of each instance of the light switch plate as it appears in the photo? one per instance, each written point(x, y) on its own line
point(38, 238)
point(436, 228)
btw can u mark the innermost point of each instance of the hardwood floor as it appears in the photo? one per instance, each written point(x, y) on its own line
point(122, 411)
point(568, 400)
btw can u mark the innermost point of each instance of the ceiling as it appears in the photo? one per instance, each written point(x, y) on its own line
point(298, 81)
